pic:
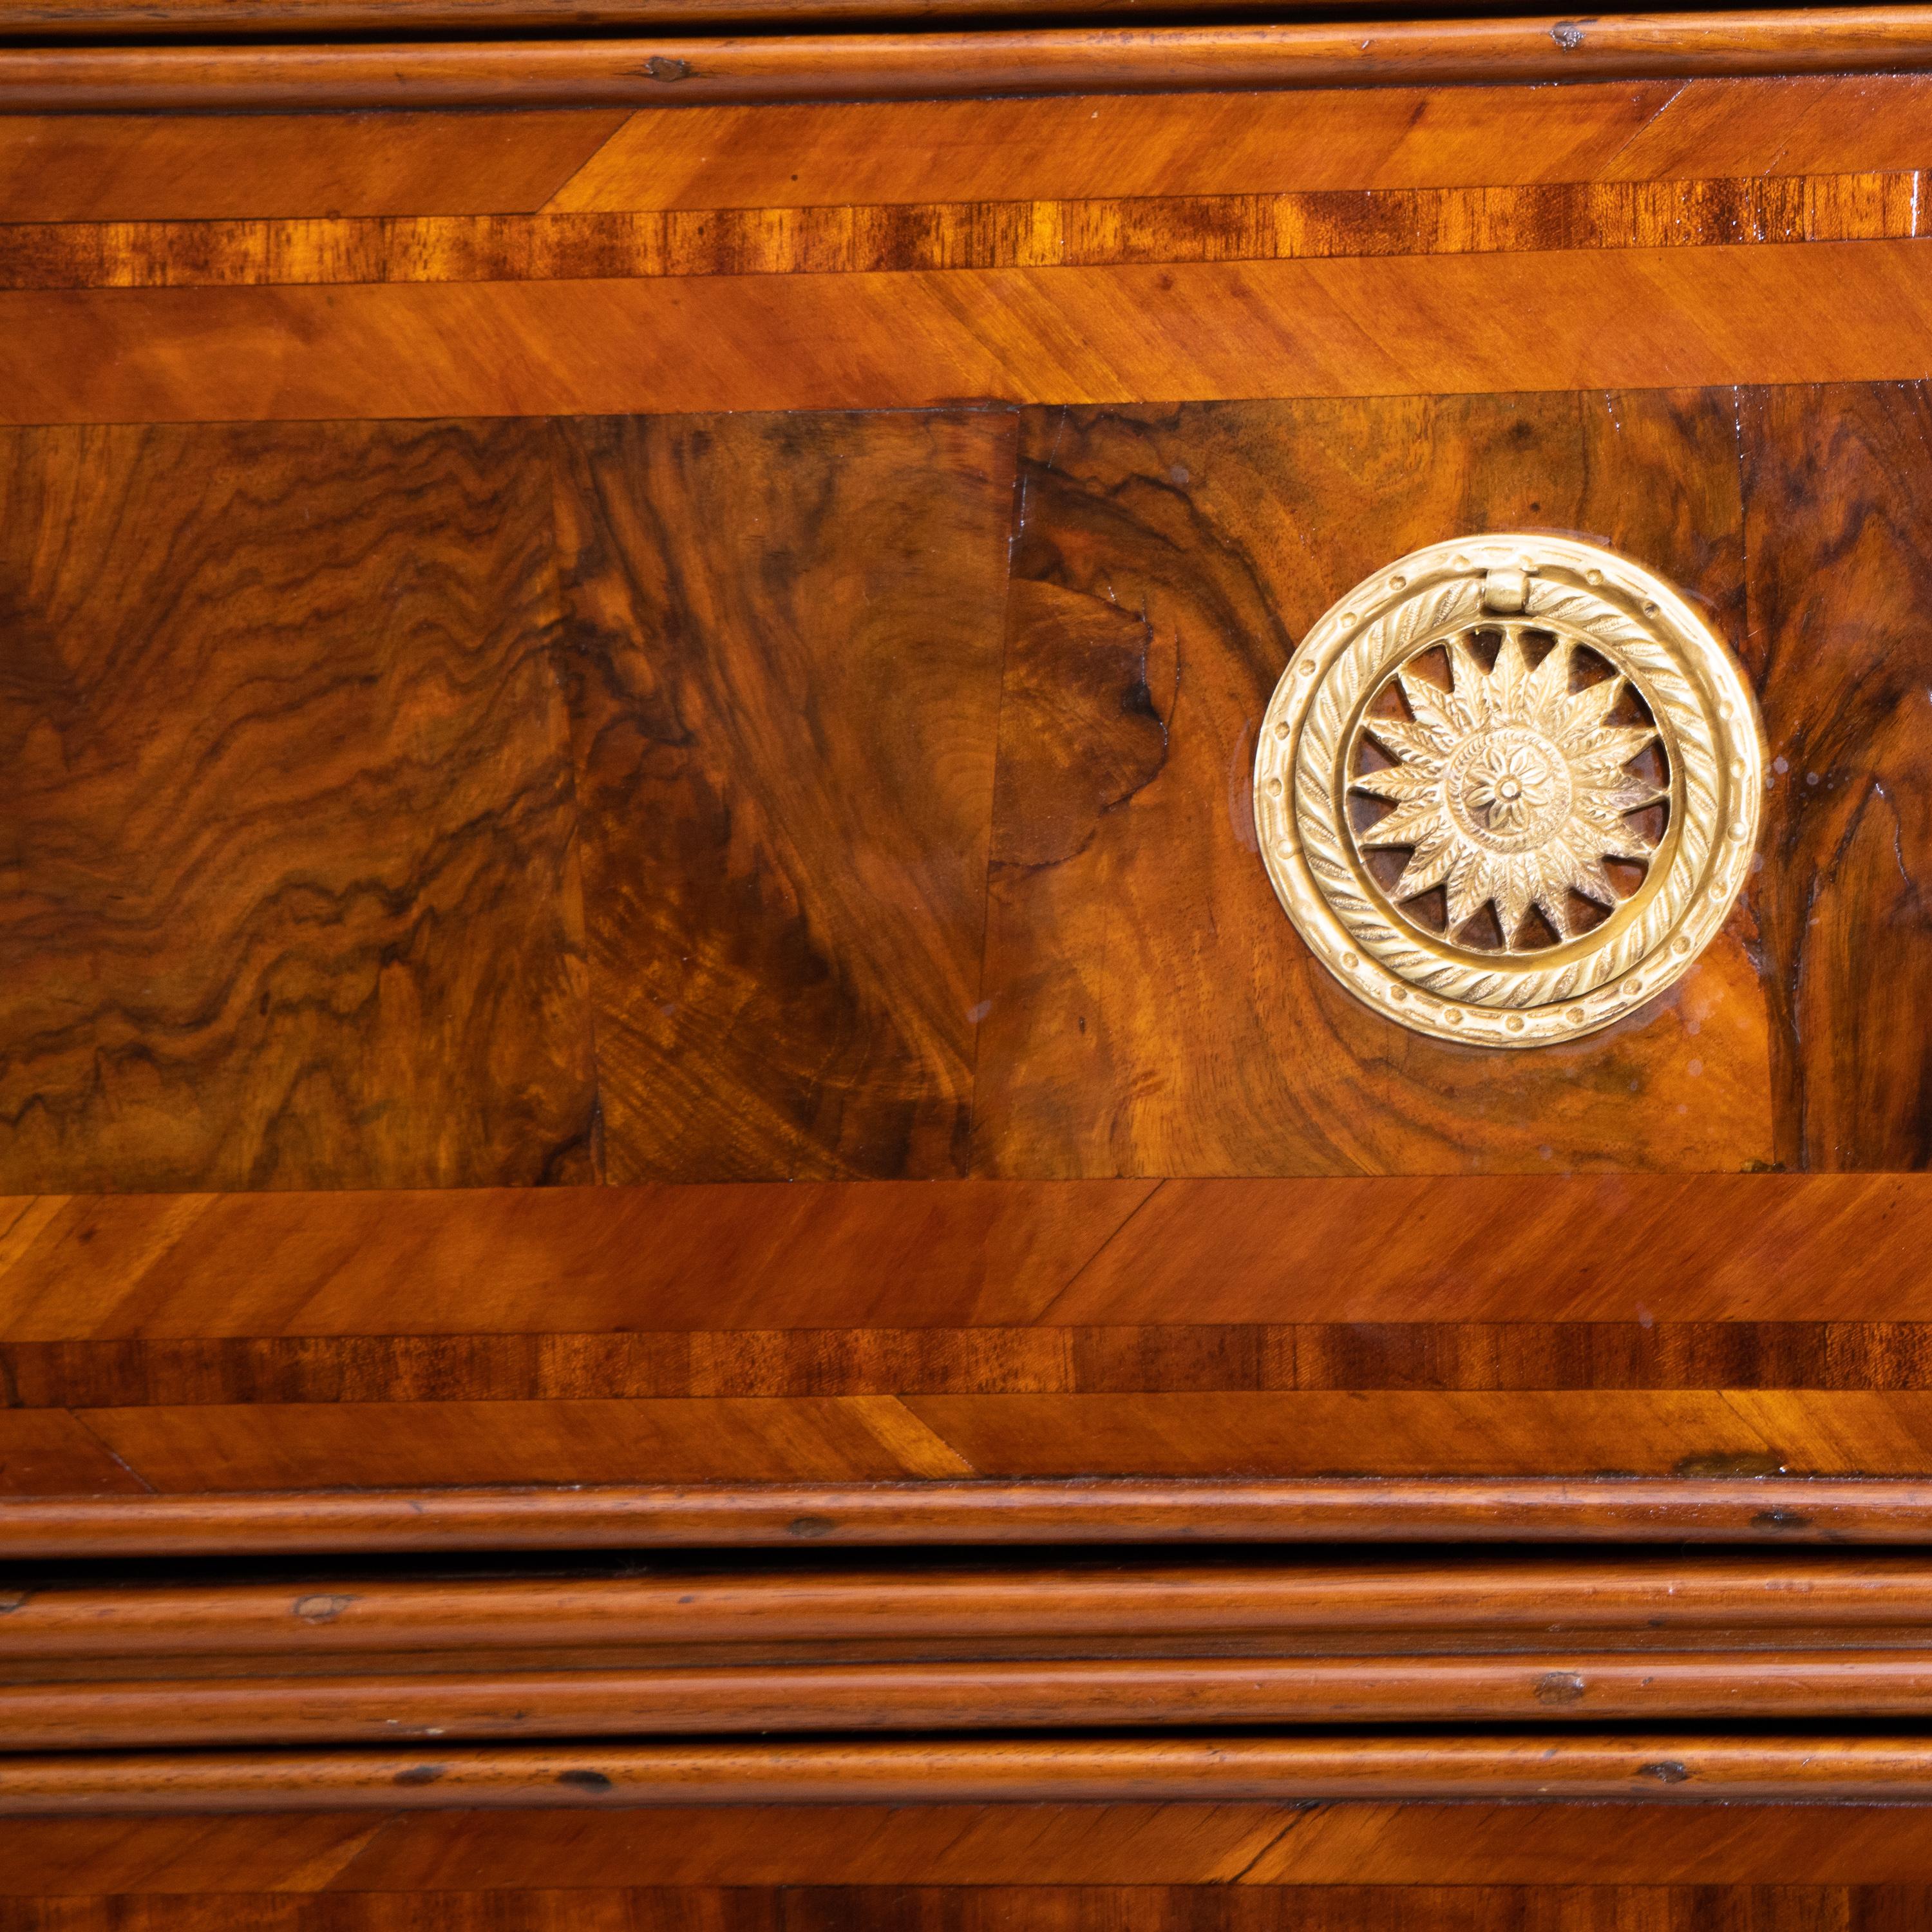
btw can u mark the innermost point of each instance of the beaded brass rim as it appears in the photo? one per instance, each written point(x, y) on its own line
point(1507, 789)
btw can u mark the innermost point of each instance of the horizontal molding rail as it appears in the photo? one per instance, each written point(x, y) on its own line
point(1661, 1766)
point(141, 20)
point(1778, 1510)
point(1563, 1687)
point(684, 70)
point(1801, 1597)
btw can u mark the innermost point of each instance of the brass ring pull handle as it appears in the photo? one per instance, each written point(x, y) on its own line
point(1508, 789)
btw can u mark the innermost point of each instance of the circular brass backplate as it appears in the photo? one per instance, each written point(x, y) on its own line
point(1507, 789)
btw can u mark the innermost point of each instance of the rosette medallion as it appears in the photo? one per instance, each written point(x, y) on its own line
point(1507, 789)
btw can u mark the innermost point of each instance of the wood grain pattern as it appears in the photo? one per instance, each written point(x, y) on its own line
point(1700, 1508)
point(1148, 1010)
point(183, 1449)
point(107, 168)
point(649, 1265)
point(786, 239)
point(784, 644)
point(1651, 1767)
point(1566, 1686)
point(414, 1863)
point(1191, 332)
point(890, 65)
point(45, 1451)
point(1838, 576)
point(1082, 146)
point(113, 167)
point(288, 893)
point(685, 1609)
point(1481, 1907)
point(837, 1438)
point(1041, 1359)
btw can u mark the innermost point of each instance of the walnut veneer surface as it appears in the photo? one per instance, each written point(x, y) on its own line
point(625, 859)
point(465, 792)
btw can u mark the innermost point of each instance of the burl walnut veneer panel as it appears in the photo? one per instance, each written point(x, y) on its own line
point(287, 896)
point(1149, 1010)
point(1837, 500)
point(783, 641)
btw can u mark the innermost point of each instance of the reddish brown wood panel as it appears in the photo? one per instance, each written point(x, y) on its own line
point(1198, 331)
point(1838, 493)
point(1315, 224)
point(1044, 1360)
point(1182, 1258)
point(290, 897)
point(44, 1451)
point(129, 167)
point(819, 1907)
point(182, 1450)
point(861, 1438)
point(1149, 1010)
point(784, 640)
point(1193, 144)
point(433, 1860)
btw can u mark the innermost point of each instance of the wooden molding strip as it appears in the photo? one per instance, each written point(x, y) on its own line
point(1798, 1599)
point(684, 70)
point(41, 20)
point(1532, 1766)
point(774, 1697)
point(1426, 1510)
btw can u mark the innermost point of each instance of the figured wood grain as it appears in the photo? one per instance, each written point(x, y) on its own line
point(1837, 484)
point(783, 641)
point(1404, 326)
point(1082, 146)
point(888, 65)
point(818, 1907)
point(288, 894)
point(1415, 1432)
point(1039, 1360)
point(1226, 1434)
point(832, 1438)
point(787, 239)
point(1480, 1906)
point(447, 1862)
point(647, 1267)
point(115, 167)
point(1149, 1008)
point(1652, 1767)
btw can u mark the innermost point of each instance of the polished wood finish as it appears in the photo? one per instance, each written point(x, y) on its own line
point(131, 167)
point(1794, 1600)
point(762, 1008)
point(1700, 1508)
point(1308, 225)
point(336, 1659)
point(597, 72)
point(279, 716)
point(1835, 640)
point(725, 796)
point(1174, 148)
point(451, 1860)
point(1231, 1768)
point(1192, 331)
point(1143, 1015)
point(93, 1288)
